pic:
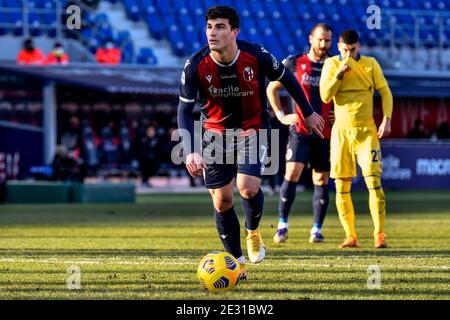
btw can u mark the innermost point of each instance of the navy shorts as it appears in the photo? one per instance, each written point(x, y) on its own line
point(310, 149)
point(228, 155)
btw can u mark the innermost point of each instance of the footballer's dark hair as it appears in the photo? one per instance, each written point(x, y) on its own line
point(349, 37)
point(323, 26)
point(224, 12)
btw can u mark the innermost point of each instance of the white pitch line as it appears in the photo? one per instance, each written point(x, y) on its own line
point(267, 263)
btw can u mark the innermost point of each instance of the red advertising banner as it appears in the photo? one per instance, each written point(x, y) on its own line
point(431, 111)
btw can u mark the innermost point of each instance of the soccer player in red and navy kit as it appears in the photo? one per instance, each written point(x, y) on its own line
point(228, 77)
point(304, 147)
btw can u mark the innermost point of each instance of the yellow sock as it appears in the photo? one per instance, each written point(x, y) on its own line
point(377, 203)
point(344, 207)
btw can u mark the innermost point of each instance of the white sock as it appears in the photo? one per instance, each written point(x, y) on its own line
point(282, 225)
point(314, 230)
point(241, 259)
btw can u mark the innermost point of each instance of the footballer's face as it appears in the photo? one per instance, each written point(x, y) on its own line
point(351, 50)
point(320, 41)
point(220, 35)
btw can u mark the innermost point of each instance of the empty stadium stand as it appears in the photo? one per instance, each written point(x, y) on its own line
point(407, 27)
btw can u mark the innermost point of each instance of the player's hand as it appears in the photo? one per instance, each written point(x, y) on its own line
point(385, 128)
point(290, 119)
point(331, 117)
point(316, 123)
point(195, 164)
point(343, 68)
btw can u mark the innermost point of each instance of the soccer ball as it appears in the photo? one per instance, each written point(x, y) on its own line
point(218, 271)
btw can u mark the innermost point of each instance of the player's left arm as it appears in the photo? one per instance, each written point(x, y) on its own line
point(382, 86)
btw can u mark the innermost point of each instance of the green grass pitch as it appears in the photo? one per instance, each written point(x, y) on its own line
point(150, 250)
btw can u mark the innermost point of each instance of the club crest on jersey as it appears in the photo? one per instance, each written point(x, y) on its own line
point(303, 66)
point(209, 78)
point(248, 74)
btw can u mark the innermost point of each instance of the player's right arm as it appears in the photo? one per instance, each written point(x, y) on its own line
point(185, 119)
point(331, 78)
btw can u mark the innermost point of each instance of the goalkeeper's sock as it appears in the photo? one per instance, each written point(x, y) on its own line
point(229, 229)
point(377, 203)
point(344, 207)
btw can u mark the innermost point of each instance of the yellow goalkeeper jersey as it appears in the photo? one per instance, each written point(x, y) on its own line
point(353, 95)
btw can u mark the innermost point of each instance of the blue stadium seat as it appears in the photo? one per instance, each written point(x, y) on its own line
point(35, 25)
point(132, 9)
point(127, 48)
point(3, 20)
point(273, 23)
point(155, 26)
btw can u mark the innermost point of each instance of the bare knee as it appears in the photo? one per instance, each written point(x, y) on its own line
point(248, 192)
point(320, 178)
point(248, 186)
point(222, 204)
point(292, 176)
point(293, 171)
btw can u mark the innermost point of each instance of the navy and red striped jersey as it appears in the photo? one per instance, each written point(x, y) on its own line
point(308, 74)
point(233, 96)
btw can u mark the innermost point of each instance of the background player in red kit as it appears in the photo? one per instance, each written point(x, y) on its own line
point(304, 147)
point(228, 77)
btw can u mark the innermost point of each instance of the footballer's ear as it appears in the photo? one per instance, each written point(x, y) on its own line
point(310, 39)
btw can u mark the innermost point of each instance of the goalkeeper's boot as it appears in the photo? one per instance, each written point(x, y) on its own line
point(255, 246)
point(350, 242)
point(380, 241)
point(242, 272)
point(281, 235)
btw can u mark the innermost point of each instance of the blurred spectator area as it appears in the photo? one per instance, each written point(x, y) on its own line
point(110, 133)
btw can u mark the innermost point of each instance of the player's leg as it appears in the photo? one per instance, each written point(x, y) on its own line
point(250, 166)
point(252, 199)
point(343, 168)
point(227, 223)
point(297, 155)
point(219, 180)
point(369, 159)
point(288, 193)
point(320, 162)
point(321, 200)
point(344, 205)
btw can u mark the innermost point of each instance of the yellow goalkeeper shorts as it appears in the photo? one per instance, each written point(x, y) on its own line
point(352, 144)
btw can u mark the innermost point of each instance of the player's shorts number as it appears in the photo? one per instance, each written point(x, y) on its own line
point(376, 155)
